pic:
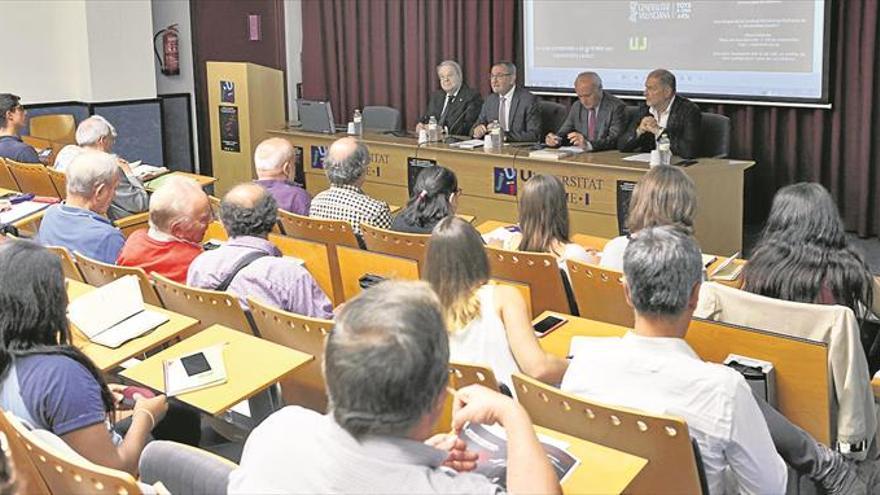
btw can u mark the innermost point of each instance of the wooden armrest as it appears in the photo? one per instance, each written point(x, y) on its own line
point(136, 219)
point(875, 385)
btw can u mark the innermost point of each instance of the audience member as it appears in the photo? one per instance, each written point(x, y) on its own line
point(274, 161)
point(487, 323)
point(664, 112)
point(249, 265)
point(13, 119)
point(664, 196)
point(346, 167)
point(79, 223)
point(515, 108)
point(386, 367)
point(48, 382)
point(595, 121)
point(179, 215)
point(455, 105)
point(652, 368)
point(435, 197)
point(95, 133)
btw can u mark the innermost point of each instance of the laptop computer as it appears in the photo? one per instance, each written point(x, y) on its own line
point(316, 116)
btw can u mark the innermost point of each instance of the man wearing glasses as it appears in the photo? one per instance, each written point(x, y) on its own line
point(514, 108)
point(12, 119)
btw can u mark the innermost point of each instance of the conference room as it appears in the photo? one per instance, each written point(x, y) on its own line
point(372, 246)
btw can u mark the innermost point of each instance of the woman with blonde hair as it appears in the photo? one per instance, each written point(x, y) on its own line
point(488, 324)
point(664, 196)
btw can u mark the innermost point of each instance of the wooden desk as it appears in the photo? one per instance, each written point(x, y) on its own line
point(252, 365)
point(105, 358)
point(28, 220)
point(203, 180)
point(591, 179)
point(602, 469)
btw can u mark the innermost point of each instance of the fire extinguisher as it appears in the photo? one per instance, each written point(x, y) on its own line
point(169, 62)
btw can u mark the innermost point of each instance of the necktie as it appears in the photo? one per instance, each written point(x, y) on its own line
point(502, 113)
point(591, 124)
point(445, 108)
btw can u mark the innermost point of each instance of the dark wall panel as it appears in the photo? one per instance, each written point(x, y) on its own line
point(139, 125)
point(177, 132)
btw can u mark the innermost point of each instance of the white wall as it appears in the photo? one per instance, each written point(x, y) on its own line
point(293, 29)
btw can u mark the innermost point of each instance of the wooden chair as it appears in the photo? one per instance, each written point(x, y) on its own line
point(7, 181)
point(355, 263)
point(600, 294)
point(538, 271)
point(331, 233)
point(463, 374)
point(128, 225)
point(68, 265)
point(315, 256)
point(409, 246)
point(32, 178)
point(304, 387)
point(60, 128)
point(40, 144)
point(215, 231)
point(208, 306)
point(98, 274)
point(27, 476)
point(662, 440)
point(590, 241)
point(59, 180)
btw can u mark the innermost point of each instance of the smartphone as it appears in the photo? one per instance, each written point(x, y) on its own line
point(195, 364)
point(547, 325)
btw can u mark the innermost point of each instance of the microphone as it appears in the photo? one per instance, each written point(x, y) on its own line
point(457, 119)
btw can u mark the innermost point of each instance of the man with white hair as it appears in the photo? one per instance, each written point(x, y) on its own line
point(179, 215)
point(455, 105)
point(273, 160)
point(79, 223)
point(95, 133)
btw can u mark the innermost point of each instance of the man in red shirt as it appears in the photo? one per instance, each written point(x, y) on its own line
point(179, 215)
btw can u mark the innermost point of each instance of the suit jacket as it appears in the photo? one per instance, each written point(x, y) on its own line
point(609, 122)
point(462, 111)
point(524, 115)
point(683, 127)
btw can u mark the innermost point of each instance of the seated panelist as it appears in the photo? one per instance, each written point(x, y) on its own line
point(595, 121)
point(455, 106)
point(515, 108)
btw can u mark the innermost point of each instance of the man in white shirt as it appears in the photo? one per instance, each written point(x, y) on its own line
point(653, 369)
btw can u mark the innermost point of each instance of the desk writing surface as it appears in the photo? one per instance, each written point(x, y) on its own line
point(558, 341)
point(106, 358)
point(203, 180)
point(28, 219)
point(602, 470)
point(252, 365)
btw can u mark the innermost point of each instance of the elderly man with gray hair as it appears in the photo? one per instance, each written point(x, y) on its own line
point(179, 215)
point(346, 167)
point(652, 368)
point(274, 162)
point(386, 366)
point(96, 133)
point(79, 223)
point(595, 121)
point(455, 105)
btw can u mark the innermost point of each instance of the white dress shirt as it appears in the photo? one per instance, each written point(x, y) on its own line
point(504, 119)
point(665, 376)
point(662, 117)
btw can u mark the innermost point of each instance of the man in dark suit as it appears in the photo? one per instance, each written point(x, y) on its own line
point(595, 121)
point(663, 112)
point(455, 105)
point(514, 108)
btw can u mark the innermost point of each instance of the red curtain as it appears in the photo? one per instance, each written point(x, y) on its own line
point(383, 53)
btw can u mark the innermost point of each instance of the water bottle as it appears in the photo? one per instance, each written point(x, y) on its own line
point(665, 149)
point(358, 120)
point(487, 138)
point(433, 130)
point(497, 134)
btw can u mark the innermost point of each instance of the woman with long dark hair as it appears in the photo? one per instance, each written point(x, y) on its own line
point(46, 381)
point(435, 197)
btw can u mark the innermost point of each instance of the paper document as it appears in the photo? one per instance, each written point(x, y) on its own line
point(21, 210)
point(194, 371)
point(708, 259)
point(549, 154)
point(145, 172)
point(114, 314)
point(467, 145)
point(499, 237)
point(572, 149)
point(641, 157)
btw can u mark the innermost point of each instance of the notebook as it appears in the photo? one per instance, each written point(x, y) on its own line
point(197, 370)
point(114, 314)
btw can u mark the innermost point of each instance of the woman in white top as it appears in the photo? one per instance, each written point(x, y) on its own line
point(488, 324)
point(665, 196)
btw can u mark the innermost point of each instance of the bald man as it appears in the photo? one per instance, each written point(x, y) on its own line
point(249, 265)
point(274, 163)
point(179, 215)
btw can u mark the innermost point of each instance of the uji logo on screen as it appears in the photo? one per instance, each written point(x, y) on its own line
point(318, 155)
point(505, 181)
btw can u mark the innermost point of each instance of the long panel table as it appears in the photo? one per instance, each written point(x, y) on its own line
point(490, 181)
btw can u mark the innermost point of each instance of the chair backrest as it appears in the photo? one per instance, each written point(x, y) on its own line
point(315, 255)
point(215, 231)
point(331, 233)
point(304, 387)
point(68, 265)
point(60, 128)
point(128, 225)
point(41, 144)
point(97, 273)
point(59, 180)
point(537, 270)
point(355, 263)
point(410, 246)
point(599, 293)
point(7, 181)
point(208, 306)
point(629, 113)
point(463, 374)
point(552, 116)
point(27, 476)
point(379, 118)
point(662, 440)
point(32, 178)
point(590, 241)
point(68, 473)
point(715, 139)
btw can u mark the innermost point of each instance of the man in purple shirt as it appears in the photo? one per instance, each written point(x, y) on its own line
point(12, 119)
point(273, 160)
point(249, 265)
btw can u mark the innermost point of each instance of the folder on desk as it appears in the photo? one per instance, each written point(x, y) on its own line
point(115, 313)
point(194, 371)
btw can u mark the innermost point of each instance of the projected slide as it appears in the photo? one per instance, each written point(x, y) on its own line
point(730, 48)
